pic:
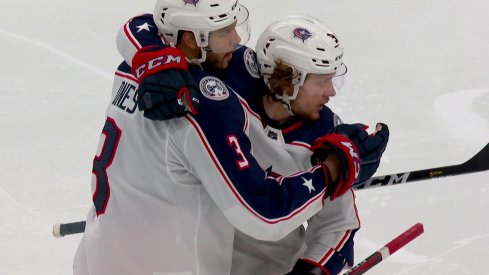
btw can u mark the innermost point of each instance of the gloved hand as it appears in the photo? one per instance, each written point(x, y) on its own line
point(166, 88)
point(344, 149)
point(371, 147)
point(302, 267)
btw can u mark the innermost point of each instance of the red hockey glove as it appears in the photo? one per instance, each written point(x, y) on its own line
point(371, 147)
point(166, 88)
point(349, 158)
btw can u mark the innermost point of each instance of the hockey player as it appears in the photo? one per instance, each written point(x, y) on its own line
point(301, 63)
point(168, 195)
point(256, 258)
point(339, 240)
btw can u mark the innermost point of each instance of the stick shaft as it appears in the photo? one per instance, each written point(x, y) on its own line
point(63, 229)
point(407, 236)
point(478, 163)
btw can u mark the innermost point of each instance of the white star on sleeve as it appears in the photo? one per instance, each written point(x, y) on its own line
point(144, 26)
point(308, 184)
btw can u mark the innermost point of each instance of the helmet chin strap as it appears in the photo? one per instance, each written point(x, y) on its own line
point(203, 56)
point(286, 104)
point(286, 99)
point(202, 40)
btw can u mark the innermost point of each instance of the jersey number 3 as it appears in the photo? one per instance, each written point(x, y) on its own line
point(101, 162)
point(242, 162)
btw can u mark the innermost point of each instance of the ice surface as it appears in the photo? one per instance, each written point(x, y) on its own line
point(420, 66)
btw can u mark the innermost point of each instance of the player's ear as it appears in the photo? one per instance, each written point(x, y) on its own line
point(188, 38)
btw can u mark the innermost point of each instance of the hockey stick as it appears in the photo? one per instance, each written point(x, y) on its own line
point(390, 248)
point(63, 229)
point(478, 163)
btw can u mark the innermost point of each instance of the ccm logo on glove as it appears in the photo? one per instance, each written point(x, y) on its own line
point(158, 61)
point(354, 155)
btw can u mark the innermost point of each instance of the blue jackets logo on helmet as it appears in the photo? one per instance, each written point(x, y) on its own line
point(302, 34)
point(193, 2)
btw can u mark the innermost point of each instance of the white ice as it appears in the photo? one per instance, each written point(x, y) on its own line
point(420, 66)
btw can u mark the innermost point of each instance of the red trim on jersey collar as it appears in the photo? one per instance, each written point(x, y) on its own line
point(293, 127)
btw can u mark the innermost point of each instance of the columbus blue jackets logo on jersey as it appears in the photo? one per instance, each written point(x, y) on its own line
point(213, 88)
point(251, 63)
point(302, 34)
point(193, 2)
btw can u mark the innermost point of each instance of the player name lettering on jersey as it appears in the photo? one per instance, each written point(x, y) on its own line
point(126, 98)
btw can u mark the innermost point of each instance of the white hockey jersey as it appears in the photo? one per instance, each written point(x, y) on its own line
point(168, 195)
point(327, 231)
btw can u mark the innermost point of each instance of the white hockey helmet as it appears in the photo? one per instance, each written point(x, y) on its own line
point(200, 17)
point(302, 42)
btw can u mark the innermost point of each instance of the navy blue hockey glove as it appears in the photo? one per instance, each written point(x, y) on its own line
point(302, 267)
point(166, 89)
point(371, 147)
point(168, 94)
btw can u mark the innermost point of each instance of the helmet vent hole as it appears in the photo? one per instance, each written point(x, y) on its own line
point(321, 49)
point(214, 5)
point(219, 18)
